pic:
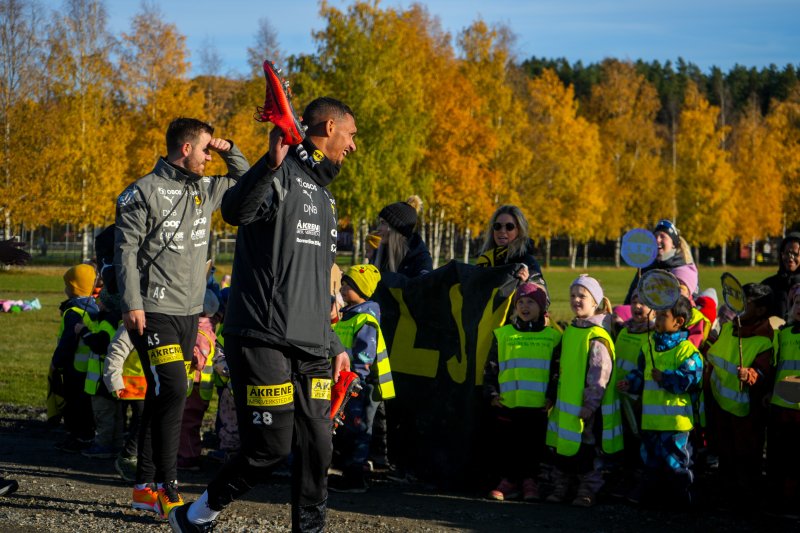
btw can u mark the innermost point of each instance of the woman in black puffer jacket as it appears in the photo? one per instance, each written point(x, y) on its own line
point(788, 275)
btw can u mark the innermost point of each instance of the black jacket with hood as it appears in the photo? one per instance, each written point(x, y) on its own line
point(285, 248)
point(781, 282)
point(418, 260)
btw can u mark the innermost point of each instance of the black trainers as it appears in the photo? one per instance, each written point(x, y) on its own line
point(179, 521)
point(8, 486)
point(73, 445)
point(351, 484)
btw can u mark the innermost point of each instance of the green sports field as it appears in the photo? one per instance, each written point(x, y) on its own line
point(27, 339)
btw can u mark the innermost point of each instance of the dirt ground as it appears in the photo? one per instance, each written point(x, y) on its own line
point(66, 493)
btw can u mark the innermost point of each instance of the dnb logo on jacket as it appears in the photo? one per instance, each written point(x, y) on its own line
point(270, 395)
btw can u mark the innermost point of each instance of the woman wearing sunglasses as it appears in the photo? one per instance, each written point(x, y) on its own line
point(506, 241)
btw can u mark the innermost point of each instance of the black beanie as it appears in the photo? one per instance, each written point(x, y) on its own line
point(669, 228)
point(401, 216)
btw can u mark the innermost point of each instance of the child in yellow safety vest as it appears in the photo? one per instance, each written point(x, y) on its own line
point(360, 332)
point(669, 369)
point(738, 391)
point(199, 374)
point(783, 427)
point(628, 345)
point(124, 377)
point(71, 356)
point(586, 418)
point(518, 381)
point(109, 414)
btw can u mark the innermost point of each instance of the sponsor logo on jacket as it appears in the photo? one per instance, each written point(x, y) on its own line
point(308, 228)
point(269, 395)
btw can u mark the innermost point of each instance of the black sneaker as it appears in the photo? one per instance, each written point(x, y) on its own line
point(73, 445)
point(179, 521)
point(351, 484)
point(8, 486)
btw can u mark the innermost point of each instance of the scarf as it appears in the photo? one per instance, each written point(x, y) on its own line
point(323, 170)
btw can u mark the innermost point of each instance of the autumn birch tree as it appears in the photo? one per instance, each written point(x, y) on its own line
point(784, 122)
point(563, 192)
point(624, 105)
point(154, 66)
point(83, 82)
point(20, 27)
point(705, 179)
point(755, 152)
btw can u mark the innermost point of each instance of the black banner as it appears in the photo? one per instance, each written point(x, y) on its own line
point(438, 330)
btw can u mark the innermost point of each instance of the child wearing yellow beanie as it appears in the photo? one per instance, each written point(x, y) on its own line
point(79, 281)
point(71, 357)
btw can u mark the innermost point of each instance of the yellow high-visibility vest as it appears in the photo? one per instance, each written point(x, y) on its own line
point(724, 358)
point(787, 363)
point(524, 361)
point(206, 375)
point(698, 316)
point(94, 365)
point(628, 346)
point(663, 410)
point(81, 360)
point(347, 329)
point(565, 426)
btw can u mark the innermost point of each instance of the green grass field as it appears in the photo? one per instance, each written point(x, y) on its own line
point(27, 339)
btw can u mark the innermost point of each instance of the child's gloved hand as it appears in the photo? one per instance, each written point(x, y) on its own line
point(623, 385)
point(657, 375)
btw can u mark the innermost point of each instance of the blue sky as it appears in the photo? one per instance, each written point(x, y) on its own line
point(704, 32)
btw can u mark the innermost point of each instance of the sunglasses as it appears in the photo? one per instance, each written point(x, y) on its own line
point(509, 226)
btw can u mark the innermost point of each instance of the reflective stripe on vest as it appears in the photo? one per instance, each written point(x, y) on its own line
point(206, 375)
point(94, 365)
point(82, 352)
point(788, 363)
point(346, 331)
point(565, 426)
point(627, 347)
point(524, 361)
point(661, 409)
point(724, 358)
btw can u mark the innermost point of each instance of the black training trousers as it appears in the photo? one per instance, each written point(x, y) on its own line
point(165, 350)
point(283, 405)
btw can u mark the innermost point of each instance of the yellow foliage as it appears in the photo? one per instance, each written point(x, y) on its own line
point(705, 180)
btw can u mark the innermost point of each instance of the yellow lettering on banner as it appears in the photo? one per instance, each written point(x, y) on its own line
point(320, 389)
point(457, 368)
point(270, 395)
point(406, 358)
point(165, 354)
point(490, 320)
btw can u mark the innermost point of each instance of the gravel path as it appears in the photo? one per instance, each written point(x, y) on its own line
point(67, 493)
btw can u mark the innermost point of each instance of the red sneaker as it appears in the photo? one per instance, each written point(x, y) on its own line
point(347, 387)
point(278, 106)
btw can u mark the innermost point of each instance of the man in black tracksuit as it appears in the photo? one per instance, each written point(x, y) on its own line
point(278, 338)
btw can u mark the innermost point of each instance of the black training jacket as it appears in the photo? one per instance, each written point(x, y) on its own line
point(285, 248)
